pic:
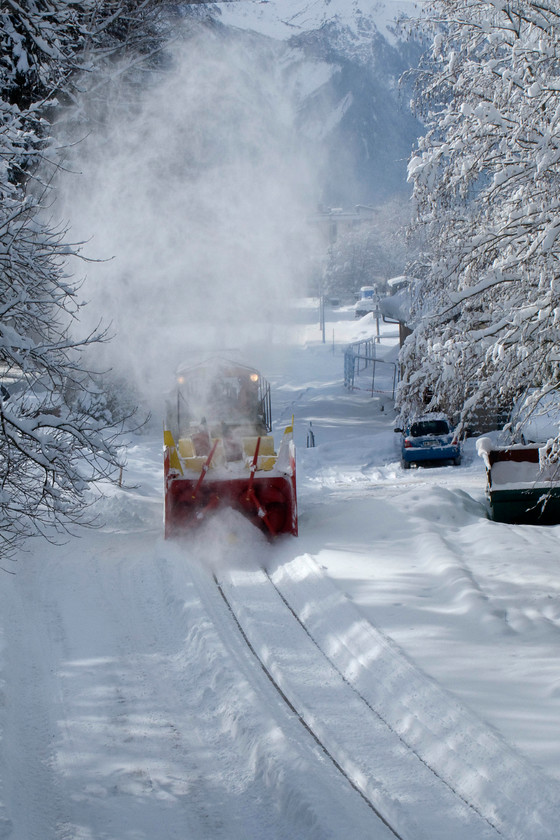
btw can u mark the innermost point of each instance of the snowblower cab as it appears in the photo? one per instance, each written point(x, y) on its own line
point(218, 450)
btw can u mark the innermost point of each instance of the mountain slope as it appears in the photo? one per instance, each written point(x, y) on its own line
point(344, 60)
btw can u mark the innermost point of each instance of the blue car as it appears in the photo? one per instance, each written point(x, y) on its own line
point(429, 439)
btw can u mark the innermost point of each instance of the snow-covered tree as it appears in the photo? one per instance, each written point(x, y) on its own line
point(371, 252)
point(486, 182)
point(56, 433)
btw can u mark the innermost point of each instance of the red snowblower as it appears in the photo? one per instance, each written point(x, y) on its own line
point(218, 451)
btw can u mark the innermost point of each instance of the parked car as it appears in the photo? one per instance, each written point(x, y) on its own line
point(536, 419)
point(429, 439)
point(368, 301)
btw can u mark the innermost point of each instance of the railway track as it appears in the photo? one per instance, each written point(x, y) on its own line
point(307, 726)
point(408, 799)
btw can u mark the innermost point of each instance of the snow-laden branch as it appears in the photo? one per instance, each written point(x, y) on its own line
point(486, 179)
point(59, 428)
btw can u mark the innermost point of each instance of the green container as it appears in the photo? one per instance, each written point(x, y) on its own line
point(527, 506)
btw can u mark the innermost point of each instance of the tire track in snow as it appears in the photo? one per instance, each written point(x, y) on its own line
point(301, 717)
point(34, 808)
point(401, 789)
point(378, 714)
point(310, 789)
point(498, 783)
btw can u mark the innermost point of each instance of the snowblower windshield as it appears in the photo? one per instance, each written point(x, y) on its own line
point(218, 395)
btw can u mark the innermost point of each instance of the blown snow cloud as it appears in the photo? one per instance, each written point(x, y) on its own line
point(193, 200)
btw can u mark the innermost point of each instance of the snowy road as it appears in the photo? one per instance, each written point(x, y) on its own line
point(406, 794)
point(142, 701)
point(138, 712)
point(137, 703)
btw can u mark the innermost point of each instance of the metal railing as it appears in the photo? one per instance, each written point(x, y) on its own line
point(359, 357)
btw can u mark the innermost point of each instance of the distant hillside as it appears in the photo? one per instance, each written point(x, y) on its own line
point(344, 60)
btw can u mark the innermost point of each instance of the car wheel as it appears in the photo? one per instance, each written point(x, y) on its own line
point(457, 461)
point(405, 464)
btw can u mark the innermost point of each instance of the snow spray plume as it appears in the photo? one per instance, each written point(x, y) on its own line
point(226, 541)
point(195, 201)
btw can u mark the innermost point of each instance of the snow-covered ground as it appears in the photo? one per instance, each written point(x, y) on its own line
point(414, 641)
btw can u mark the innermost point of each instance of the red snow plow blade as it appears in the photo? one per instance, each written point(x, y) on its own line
point(223, 463)
point(266, 498)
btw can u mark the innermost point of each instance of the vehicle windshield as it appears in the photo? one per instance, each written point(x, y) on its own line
point(429, 427)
